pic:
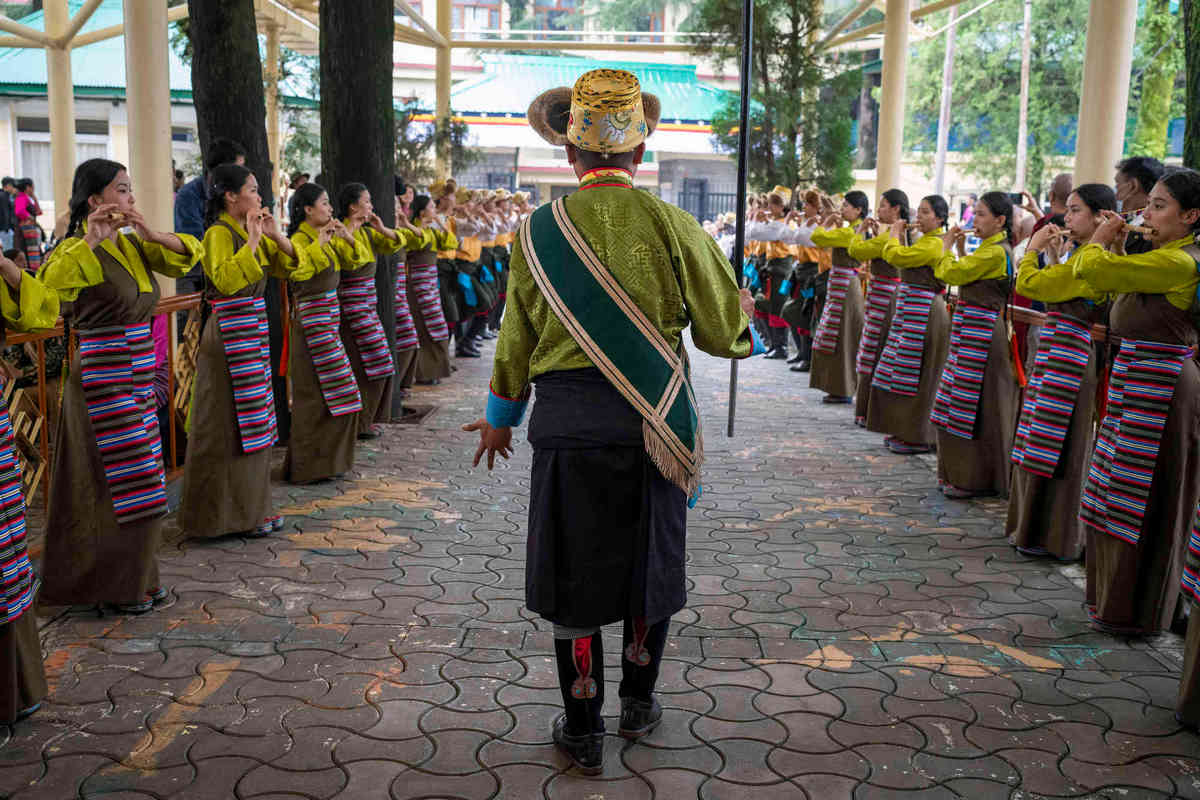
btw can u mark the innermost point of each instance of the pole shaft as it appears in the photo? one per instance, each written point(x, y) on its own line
point(739, 238)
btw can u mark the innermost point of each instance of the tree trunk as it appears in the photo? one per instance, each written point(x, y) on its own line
point(1158, 83)
point(358, 133)
point(1191, 137)
point(227, 91)
point(868, 111)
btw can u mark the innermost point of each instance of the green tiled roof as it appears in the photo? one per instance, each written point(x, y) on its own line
point(510, 83)
point(98, 70)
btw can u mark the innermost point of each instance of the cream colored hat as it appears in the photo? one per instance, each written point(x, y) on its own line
point(605, 112)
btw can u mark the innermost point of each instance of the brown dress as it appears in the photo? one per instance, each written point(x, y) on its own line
point(904, 417)
point(835, 373)
point(322, 445)
point(984, 463)
point(1188, 706)
point(432, 361)
point(224, 489)
point(22, 675)
point(376, 394)
point(1137, 586)
point(89, 556)
point(879, 268)
point(1044, 512)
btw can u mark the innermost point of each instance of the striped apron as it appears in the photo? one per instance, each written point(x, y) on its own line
point(117, 375)
point(1139, 398)
point(320, 317)
point(1191, 567)
point(1064, 349)
point(880, 293)
point(16, 573)
point(243, 325)
point(957, 401)
point(406, 329)
point(829, 328)
point(359, 300)
point(899, 368)
point(424, 281)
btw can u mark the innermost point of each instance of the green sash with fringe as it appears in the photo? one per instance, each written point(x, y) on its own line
point(619, 339)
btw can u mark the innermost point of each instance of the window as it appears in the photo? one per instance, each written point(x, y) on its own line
point(94, 127)
point(186, 135)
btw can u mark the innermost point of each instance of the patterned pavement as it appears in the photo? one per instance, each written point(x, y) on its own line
point(850, 634)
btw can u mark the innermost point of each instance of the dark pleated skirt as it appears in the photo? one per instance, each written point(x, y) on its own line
point(606, 529)
point(1189, 682)
point(22, 676)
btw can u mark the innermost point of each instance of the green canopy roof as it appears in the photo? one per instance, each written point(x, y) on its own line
point(510, 83)
point(98, 70)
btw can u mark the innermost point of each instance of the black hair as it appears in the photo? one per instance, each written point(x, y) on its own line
point(178, 173)
point(347, 196)
point(589, 159)
point(418, 205)
point(12, 255)
point(859, 200)
point(90, 178)
point(942, 211)
point(1001, 205)
point(306, 195)
point(1097, 196)
point(25, 183)
point(1143, 169)
point(899, 200)
point(399, 185)
point(222, 179)
point(223, 151)
point(1183, 184)
point(8, 180)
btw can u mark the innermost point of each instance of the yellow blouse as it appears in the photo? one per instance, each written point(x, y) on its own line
point(1053, 283)
point(34, 308)
point(231, 270)
point(868, 249)
point(926, 252)
point(844, 237)
point(72, 266)
point(1167, 270)
point(987, 262)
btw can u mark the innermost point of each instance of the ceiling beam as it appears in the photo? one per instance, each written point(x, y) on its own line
point(871, 30)
point(174, 14)
point(863, 7)
point(77, 21)
point(25, 32)
point(422, 23)
point(528, 44)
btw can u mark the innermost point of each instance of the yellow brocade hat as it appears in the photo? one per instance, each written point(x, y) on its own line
point(437, 189)
point(784, 194)
point(606, 112)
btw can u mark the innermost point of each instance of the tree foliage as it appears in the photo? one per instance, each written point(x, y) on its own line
point(987, 88)
point(1163, 57)
point(788, 127)
point(417, 141)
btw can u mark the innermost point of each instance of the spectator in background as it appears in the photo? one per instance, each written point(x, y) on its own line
point(1134, 179)
point(968, 216)
point(177, 182)
point(191, 201)
point(25, 204)
point(1060, 190)
point(8, 214)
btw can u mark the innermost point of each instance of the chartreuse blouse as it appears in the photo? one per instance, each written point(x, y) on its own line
point(1167, 270)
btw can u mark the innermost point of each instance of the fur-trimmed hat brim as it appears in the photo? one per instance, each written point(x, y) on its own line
point(550, 113)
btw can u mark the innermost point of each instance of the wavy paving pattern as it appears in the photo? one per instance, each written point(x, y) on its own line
point(850, 634)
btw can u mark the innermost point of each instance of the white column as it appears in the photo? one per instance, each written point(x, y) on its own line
point(149, 116)
point(1107, 61)
point(271, 76)
point(60, 89)
point(443, 86)
point(890, 145)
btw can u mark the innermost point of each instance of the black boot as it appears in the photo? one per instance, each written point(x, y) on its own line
point(579, 732)
point(799, 347)
point(640, 661)
point(778, 344)
point(805, 362)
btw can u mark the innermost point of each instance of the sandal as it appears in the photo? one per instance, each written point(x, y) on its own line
point(159, 594)
point(135, 608)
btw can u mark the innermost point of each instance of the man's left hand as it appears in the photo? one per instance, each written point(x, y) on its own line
point(491, 441)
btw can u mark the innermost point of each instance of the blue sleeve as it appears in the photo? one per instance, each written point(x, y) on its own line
point(759, 346)
point(506, 412)
point(189, 209)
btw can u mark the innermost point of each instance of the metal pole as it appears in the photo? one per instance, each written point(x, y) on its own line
point(1023, 113)
point(943, 131)
point(739, 237)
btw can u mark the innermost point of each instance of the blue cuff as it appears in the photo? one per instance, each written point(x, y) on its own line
point(505, 413)
point(786, 286)
point(760, 347)
point(696, 497)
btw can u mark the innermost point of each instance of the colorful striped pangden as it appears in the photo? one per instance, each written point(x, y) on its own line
point(243, 325)
point(424, 281)
point(359, 308)
point(16, 574)
point(1064, 349)
point(1122, 469)
point(117, 373)
point(320, 317)
point(828, 333)
point(899, 368)
point(956, 405)
point(406, 329)
point(880, 294)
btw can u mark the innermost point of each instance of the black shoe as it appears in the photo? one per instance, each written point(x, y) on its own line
point(463, 352)
point(638, 717)
point(489, 334)
point(586, 752)
point(777, 353)
point(803, 366)
point(796, 359)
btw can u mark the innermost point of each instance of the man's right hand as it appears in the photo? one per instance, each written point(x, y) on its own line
point(746, 300)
